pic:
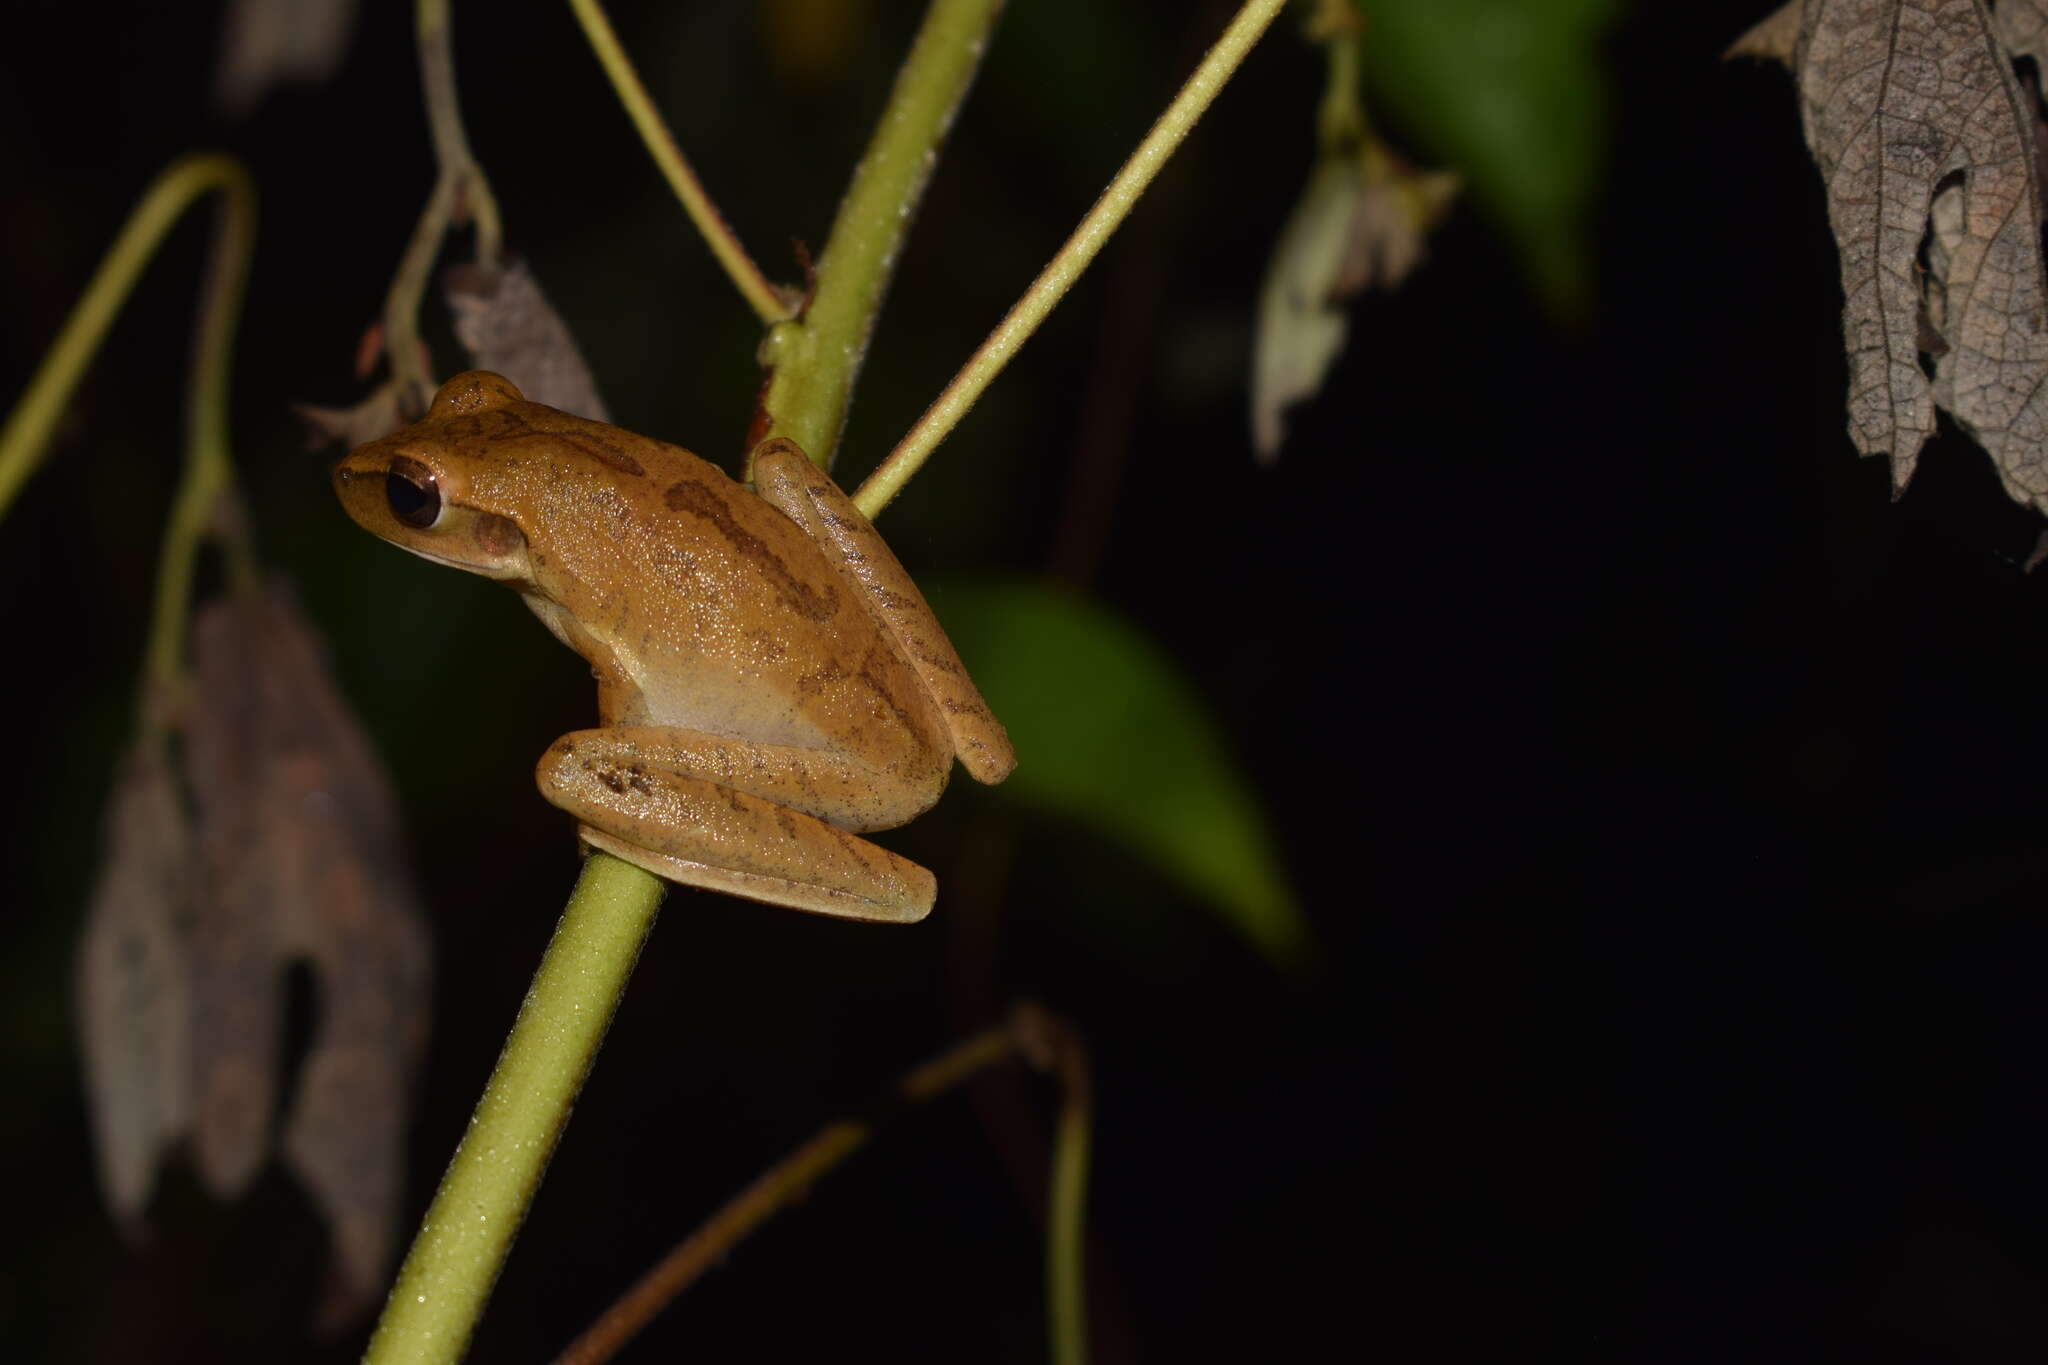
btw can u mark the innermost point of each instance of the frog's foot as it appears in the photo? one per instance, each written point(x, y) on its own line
point(697, 832)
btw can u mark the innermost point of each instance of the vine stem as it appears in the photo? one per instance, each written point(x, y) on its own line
point(460, 189)
point(468, 1231)
point(433, 26)
point(815, 360)
point(197, 508)
point(769, 303)
point(1066, 1223)
point(1066, 266)
point(1043, 1039)
point(461, 1246)
point(778, 1187)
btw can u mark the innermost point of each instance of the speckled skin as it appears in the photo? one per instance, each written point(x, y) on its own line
point(768, 676)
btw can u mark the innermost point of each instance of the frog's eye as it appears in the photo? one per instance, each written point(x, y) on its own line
point(410, 488)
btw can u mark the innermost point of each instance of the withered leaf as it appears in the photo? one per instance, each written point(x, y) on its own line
point(1927, 143)
point(376, 417)
point(1773, 38)
point(506, 324)
point(1362, 222)
point(133, 990)
point(303, 857)
point(2022, 25)
point(268, 43)
point(1302, 322)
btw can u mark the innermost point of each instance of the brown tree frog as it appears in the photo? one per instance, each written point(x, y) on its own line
point(769, 681)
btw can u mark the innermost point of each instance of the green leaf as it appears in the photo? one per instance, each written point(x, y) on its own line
point(1109, 732)
point(1511, 93)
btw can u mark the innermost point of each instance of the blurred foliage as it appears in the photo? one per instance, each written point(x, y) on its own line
point(809, 43)
point(1110, 732)
point(1513, 94)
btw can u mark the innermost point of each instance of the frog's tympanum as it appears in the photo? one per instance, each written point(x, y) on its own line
point(769, 680)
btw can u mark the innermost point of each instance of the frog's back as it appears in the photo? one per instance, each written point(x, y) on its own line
point(721, 611)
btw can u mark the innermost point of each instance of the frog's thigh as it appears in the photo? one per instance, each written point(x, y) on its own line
point(833, 787)
point(690, 827)
point(807, 496)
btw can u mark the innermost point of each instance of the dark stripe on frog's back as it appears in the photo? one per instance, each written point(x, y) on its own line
point(697, 499)
point(586, 438)
point(695, 488)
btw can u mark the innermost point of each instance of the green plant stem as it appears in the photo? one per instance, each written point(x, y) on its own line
point(769, 303)
point(455, 1258)
point(435, 34)
point(460, 190)
point(402, 300)
point(1065, 267)
point(1340, 118)
point(26, 435)
point(1066, 1229)
point(203, 503)
point(816, 359)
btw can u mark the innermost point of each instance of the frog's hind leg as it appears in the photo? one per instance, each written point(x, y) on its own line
point(876, 885)
point(693, 828)
point(802, 492)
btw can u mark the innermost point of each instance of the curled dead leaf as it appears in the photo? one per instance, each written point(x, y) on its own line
point(134, 988)
point(507, 325)
point(304, 861)
point(1773, 38)
point(376, 417)
point(1363, 222)
point(288, 851)
point(269, 43)
point(2022, 26)
point(1928, 146)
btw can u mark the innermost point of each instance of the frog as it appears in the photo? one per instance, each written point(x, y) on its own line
point(770, 682)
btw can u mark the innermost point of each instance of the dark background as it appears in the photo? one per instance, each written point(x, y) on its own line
point(1665, 797)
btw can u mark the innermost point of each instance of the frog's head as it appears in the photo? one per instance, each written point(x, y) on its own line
point(437, 488)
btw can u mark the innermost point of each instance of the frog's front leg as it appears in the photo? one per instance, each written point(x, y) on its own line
point(709, 811)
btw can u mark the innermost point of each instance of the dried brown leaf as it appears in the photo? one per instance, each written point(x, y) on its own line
point(1363, 222)
point(1773, 38)
point(268, 43)
point(289, 850)
point(303, 851)
point(507, 325)
point(1923, 136)
point(1390, 234)
point(133, 994)
point(2022, 26)
point(376, 417)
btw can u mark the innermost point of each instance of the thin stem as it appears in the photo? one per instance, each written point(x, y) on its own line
point(1066, 1229)
point(769, 303)
point(461, 1246)
point(775, 1189)
point(402, 301)
point(455, 1259)
point(1060, 273)
point(204, 503)
point(1340, 118)
point(460, 190)
point(26, 436)
point(815, 361)
point(451, 141)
